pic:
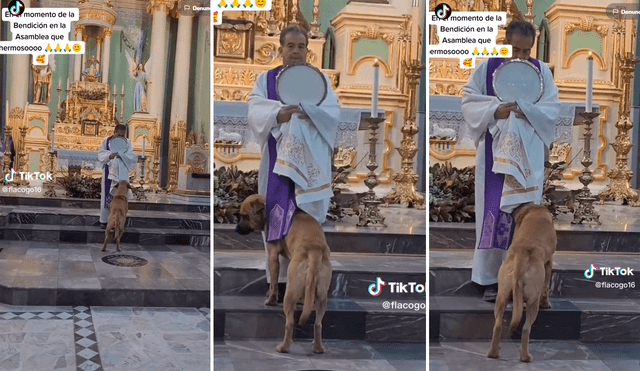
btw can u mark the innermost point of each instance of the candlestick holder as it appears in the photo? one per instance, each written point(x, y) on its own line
point(173, 166)
point(139, 191)
point(121, 105)
point(371, 213)
point(584, 211)
point(7, 153)
point(156, 165)
point(404, 190)
point(58, 106)
point(143, 161)
point(619, 188)
point(113, 113)
point(51, 192)
point(22, 160)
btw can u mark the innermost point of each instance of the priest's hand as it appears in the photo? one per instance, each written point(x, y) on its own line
point(285, 113)
point(112, 156)
point(504, 110)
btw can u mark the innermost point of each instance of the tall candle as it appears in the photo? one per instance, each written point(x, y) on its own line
point(122, 89)
point(415, 27)
point(376, 78)
point(67, 83)
point(144, 142)
point(59, 83)
point(589, 82)
point(53, 133)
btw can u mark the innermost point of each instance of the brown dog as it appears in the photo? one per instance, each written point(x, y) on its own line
point(117, 214)
point(309, 273)
point(525, 274)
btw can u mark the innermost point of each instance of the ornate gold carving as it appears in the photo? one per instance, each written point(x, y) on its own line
point(197, 164)
point(101, 15)
point(248, 77)
point(226, 94)
point(586, 24)
point(79, 29)
point(107, 32)
point(373, 33)
point(441, 89)
point(163, 5)
point(311, 56)
point(231, 43)
point(266, 54)
point(16, 113)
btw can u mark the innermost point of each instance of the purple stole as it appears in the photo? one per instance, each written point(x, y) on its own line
point(281, 198)
point(107, 181)
point(496, 225)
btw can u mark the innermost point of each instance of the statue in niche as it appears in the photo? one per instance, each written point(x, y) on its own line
point(92, 73)
point(41, 84)
point(138, 73)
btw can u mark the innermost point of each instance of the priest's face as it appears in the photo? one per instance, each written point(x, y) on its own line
point(294, 49)
point(119, 133)
point(520, 46)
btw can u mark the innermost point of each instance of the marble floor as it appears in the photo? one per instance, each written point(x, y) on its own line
point(547, 356)
point(340, 355)
point(37, 338)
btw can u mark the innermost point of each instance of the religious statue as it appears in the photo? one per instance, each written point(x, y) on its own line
point(138, 73)
point(41, 84)
point(91, 74)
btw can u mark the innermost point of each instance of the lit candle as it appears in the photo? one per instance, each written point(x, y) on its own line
point(374, 100)
point(589, 81)
point(144, 142)
point(59, 83)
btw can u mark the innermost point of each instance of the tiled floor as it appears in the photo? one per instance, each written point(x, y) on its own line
point(104, 338)
point(339, 355)
point(547, 356)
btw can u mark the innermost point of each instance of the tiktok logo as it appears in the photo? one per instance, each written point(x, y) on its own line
point(589, 272)
point(16, 7)
point(375, 288)
point(9, 177)
point(443, 11)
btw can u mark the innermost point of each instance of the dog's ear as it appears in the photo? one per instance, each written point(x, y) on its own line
point(258, 204)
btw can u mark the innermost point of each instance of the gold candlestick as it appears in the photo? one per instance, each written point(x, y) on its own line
point(156, 164)
point(121, 104)
point(113, 114)
point(371, 213)
point(584, 211)
point(51, 192)
point(314, 32)
point(618, 187)
point(404, 190)
point(7, 152)
point(173, 166)
point(22, 160)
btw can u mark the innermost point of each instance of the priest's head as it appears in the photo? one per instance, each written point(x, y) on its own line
point(293, 45)
point(120, 131)
point(520, 35)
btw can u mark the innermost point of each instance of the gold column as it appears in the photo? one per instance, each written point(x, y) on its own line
point(619, 188)
point(404, 190)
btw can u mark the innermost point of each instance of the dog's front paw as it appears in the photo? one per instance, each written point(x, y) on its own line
point(318, 349)
point(271, 301)
point(526, 358)
point(493, 353)
point(104, 249)
point(282, 349)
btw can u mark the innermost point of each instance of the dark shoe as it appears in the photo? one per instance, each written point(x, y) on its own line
point(490, 293)
point(103, 225)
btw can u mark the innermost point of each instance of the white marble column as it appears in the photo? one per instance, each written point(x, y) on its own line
point(157, 75)
point(179, 104)
point(106, 53)
point(99, 50)
point(77, 68)
point(20, 70)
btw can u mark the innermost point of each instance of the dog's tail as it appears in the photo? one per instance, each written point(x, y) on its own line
point(311, 281)
point(516, 315)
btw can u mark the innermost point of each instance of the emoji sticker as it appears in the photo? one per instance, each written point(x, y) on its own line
point(76, 47)
point(468, 62)
point(504, 51)
point(261, 3)
point(40, 59)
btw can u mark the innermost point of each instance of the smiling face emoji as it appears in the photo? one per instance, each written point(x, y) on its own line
point(76, 47)
point(261, 3)
point(504, 51)
point(467, 62)
point(40, 59)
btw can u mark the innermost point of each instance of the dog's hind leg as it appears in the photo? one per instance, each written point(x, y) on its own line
point(498, 313)
point(288, 305)
point(106, 240)
point(544, 300)
point(317, 328)
point(532, 314)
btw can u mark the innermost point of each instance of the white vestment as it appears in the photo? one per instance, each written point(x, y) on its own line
point(304, 148)
point(118, 170)
point(518, 151)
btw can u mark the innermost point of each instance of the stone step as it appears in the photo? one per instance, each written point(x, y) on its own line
point(619, 232)
point(238, 318)
point(365, 240)
point(587, 320)
point(155, 202)
point(93, 234)
point(56, 274)
point(450, 275)
point(242, 273)
point(91, 217)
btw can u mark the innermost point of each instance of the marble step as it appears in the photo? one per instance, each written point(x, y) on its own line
point(155, 202)
point(91, 217)
point(450, 275)
point(93, 234)
point(619, 232)
point(587, 320)
point(242, 273)
point(237, 318)
point(345, 239)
